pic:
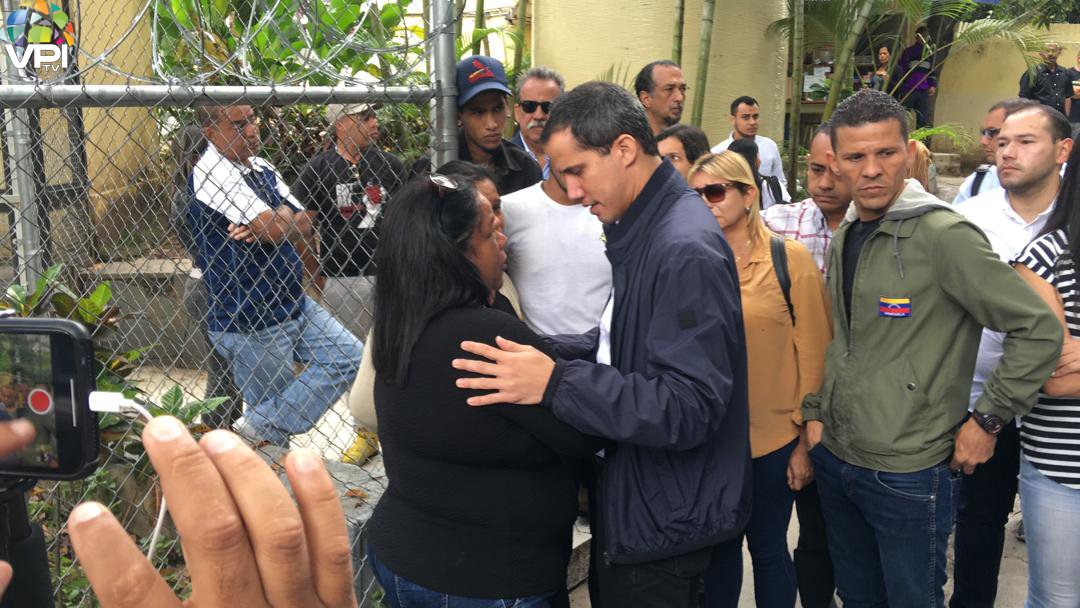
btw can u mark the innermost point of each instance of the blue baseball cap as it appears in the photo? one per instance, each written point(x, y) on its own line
point(477, 74)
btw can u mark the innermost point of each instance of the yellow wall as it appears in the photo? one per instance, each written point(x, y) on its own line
point(582, 40)
point(976, 77)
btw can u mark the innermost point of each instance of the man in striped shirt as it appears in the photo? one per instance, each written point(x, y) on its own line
point(813, 221)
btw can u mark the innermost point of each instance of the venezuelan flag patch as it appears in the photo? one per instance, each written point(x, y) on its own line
point(894, 307)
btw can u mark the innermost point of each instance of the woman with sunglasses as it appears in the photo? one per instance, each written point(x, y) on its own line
point(785, 343)
point(481, 500)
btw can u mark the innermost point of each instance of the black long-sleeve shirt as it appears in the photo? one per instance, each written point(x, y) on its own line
point(1051, 88)
point(481, 500)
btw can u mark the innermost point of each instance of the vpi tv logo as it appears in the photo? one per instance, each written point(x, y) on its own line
point(38, 35)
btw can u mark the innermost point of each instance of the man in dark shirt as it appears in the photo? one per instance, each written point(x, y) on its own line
point(1074, 105)
point(348, 186)
point(482, 102)
point(1052, 85)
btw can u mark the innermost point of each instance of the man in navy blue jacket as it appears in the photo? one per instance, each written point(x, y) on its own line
point(663, 377)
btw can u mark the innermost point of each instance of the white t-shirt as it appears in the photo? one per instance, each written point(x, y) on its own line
point(556, 258)
point(771, 164)
point(1008, 234)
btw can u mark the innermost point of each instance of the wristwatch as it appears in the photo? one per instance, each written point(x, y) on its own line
point(988, 422)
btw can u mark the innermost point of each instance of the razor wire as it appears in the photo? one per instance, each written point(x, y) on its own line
point(93, 214)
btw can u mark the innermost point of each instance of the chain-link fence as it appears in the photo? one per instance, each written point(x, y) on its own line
point(143, 193)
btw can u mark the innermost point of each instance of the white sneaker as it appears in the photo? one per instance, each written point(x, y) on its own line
point(242, 428)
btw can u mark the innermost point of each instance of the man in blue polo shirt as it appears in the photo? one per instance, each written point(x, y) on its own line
point(254, 241)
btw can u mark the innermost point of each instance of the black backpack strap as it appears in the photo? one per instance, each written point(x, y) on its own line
point(775, 187)
point(980, 175)
point(780, 267)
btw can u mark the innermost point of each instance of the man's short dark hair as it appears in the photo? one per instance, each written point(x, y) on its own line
point(208, 116)
point(750, 101)
point(694, 141)
point(867, 106)
point(1012, 104)
point(644, 81)
point(1056, 122)
point(597, 113)
point(822, 129)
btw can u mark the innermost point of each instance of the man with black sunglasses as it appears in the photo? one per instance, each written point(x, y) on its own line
point(537, 88)
point(985, 178)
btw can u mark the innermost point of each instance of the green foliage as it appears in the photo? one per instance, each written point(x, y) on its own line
point(956, 134)
point(620, 74)
point(1041, 13)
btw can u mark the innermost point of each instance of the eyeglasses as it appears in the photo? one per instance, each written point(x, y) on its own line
point(441, 183)
point(990, 133)
point(530, 106)
point(715, 193)
point(243, 123)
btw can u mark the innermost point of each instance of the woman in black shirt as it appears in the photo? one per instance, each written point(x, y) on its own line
point(481, 500)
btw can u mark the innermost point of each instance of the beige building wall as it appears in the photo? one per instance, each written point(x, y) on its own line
point(976, 77)
point(582, 40)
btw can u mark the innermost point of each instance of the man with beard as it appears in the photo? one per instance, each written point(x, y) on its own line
point(661, 89)
point(537, 88)
point(745, 117)
point(482, 94)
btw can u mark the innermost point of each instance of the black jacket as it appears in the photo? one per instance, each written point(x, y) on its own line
point(1051, 88)
point(675, 399)
point(514, 168)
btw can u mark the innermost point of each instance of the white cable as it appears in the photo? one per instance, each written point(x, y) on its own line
point(117, 403)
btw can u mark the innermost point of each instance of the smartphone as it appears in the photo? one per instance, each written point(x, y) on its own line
point(47, 371)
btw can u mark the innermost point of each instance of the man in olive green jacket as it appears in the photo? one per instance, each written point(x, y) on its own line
point(912, 284)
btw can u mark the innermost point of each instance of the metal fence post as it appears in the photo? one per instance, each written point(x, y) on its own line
point(27, 216)
point(444, 110)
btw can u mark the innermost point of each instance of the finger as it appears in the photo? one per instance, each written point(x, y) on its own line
point(510, 345)
point(477, 367)
point(116, 569)
point(481, 384)
point(216, 545)
point(790, 477)
point(270, 516)
point(489, 399)
point(484, 350)
point(969, 469)
point(954, 464)
point(15, 435)
point(329, 549)
point(5, 577)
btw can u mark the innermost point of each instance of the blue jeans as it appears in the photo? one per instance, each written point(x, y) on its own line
point(1052, 527)
point(887, 531)
point(402, 593)
point(281, 403)
point(766, 535)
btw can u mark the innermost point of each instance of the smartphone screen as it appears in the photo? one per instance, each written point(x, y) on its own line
point(46, 371)
point(27, 391)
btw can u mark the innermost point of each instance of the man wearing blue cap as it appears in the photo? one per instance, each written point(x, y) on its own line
point(481, 100)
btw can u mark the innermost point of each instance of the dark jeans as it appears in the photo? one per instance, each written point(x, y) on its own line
point(766, 535)
point(986, 499)
point(919, 101)
point(813, 566)
point(402, 593)
point(887, 532)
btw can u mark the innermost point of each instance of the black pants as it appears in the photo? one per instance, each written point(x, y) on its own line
point(986, 499)
point(919, 101)
point(813, 567)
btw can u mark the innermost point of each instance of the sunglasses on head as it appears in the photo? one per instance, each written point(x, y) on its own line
point(715, 193)
point(530, 106)
point(441, 183)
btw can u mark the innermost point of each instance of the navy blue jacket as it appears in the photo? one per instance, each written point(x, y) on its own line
point(675, 398)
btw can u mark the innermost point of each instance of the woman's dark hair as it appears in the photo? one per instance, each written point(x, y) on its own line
point(189, 145)
point(421, 268)
point(464, 171)
point(694, 141)
point(1066, 213)
point(748, 149)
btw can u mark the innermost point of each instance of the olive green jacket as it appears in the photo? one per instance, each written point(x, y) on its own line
point(898, 376)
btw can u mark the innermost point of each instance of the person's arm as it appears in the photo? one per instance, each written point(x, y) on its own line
point(1025, 86)
point(696, 347)
point(1067, 384)
point(362, 394)
point(994, 295)
point(572, 347)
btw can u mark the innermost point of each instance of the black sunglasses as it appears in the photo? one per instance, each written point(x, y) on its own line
point(990, 133)
point(715, 193)
point(530, 106)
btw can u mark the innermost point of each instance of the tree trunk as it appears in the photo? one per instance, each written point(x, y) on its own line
point(519, 53)
point(707, 10)
point(676, 43)
point(478, 24)
point(847, 51)
point(794, 123)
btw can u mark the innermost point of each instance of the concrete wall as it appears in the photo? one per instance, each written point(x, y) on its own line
point(976, 77)
point(584, 39)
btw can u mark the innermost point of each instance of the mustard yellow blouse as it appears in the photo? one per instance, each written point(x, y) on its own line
point(784, 362)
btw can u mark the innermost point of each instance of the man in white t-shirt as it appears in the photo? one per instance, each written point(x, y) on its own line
point(555, 257)
point(1033, 143)
point(745, 115)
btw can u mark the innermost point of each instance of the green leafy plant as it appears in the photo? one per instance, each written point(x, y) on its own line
point(956, 134)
